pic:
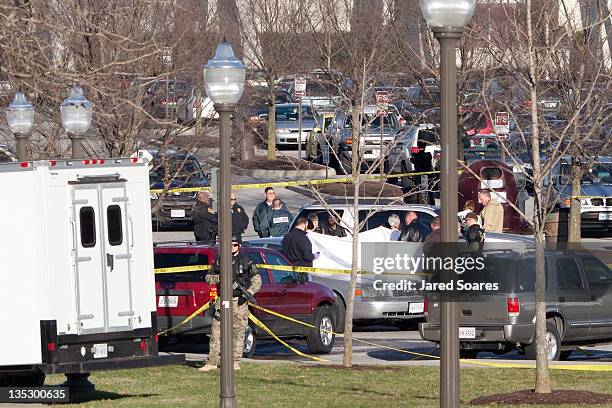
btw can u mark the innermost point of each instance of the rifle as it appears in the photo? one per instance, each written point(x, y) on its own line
point(245, 293)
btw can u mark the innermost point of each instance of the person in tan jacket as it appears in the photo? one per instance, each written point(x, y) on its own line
point(492, 214)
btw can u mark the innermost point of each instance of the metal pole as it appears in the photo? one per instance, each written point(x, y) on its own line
point(77, 145)
point(300, 129)
point(382, 158)
point(227, 395)
point(22, 146)
point(449, 336)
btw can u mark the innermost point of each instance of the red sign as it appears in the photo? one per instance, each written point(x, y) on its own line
point(502, 119)
point(382, 97)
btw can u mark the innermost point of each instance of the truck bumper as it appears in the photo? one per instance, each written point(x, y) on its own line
point(393, 310)
point(113, 364)
point(590, 221)
point(508, 333)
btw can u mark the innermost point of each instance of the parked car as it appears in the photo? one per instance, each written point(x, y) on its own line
point(476, 122)
point(163, 95)
point(188, 105)
point(596, 187)
point(287, 124)
point(341, 136)
point(578, 306)
point(288, 293)
point(406, 144)
point(174, 170)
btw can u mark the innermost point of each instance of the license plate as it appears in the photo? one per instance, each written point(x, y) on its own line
point(177, 213)
point(100, 350)
point(416, 308)
point(168, 301)
point(605, 216)
point(550, 105)
point(467, 332)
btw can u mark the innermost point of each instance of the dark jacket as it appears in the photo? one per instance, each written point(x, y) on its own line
point(280, 221)
point(475, 237)
point(244, 271)
point(240, 219)
point(421, 161)
point(337, 232)
point(204, 222)
point(412, 232)
point(435, 237)
point(261, 223)
point(298, 248)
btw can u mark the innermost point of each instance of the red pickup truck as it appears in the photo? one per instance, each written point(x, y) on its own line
point(288, 293)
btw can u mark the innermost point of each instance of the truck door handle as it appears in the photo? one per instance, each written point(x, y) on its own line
point(110, 261)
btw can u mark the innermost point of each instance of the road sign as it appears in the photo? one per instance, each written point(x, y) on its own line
point(299, 86)
point(382, 103)
point(502, 123)
point(167, 56)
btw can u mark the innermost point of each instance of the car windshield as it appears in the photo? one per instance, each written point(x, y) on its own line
point(389, 121)
point(597, 173)
point(187, 169)
point(290, 113)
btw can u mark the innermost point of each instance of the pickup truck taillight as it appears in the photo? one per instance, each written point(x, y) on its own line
point(414, 150)
point(514, 306)
point(425, 306)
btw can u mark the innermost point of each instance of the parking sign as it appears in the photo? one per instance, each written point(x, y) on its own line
point(299, 88)
point(382, 102)
point(502, 123)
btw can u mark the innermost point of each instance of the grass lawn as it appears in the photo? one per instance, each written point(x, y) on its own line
point(291, 385)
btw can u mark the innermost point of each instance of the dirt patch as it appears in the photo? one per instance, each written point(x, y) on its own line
point(281, 163)
point(558, 397)
point(367, 189)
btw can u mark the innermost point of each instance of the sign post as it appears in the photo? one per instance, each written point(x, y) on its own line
point(325, 154)
point(382, 105)
point(299, 92)
point(167, 61)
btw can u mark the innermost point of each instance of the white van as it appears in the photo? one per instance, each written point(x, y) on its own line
point(77, 288)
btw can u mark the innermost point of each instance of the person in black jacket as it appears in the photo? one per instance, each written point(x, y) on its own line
point(422, 163)
point(205, 224)
point(474, 235)
point(296, 245)
point(240, 219)
point(332, 228)
point(413, 231)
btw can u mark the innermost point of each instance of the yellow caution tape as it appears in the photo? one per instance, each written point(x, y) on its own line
point(586, 196)
point(290, 347)
point(291, 183)
point(187, 319)
point(177, 269)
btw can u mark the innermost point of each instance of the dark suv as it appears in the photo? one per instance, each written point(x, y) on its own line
point(174, 170)
point(578, 306)
point(288, 293)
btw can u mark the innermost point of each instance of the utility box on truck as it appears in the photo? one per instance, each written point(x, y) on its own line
point(77, 287)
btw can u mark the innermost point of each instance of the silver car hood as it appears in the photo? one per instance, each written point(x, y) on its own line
point(293, 125)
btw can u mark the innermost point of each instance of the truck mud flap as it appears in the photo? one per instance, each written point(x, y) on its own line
point(114, 364)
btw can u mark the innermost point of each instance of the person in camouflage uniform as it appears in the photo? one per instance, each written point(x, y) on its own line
point(245, 273)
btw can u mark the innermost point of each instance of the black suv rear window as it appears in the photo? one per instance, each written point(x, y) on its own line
point(172, 260)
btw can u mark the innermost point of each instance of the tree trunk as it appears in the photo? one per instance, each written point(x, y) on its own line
point(574, 215)
point(347, 360)
point(543, 380)
point(271, 120)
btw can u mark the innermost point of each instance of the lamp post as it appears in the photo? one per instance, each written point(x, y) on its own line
point(447, 19)
point(20, 119)
point(224, 83)
point(76, 119)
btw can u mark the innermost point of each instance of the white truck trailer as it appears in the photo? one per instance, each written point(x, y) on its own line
point(77, 287)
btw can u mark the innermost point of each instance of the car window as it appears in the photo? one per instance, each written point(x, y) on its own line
point(321, 214)
point(381, 218)
point(280, 276)
point(291, 113)
point(258, 260)
point(172, 260)
point(429, 137)
point(568, 274)
point(595, 271)
point(526, 276)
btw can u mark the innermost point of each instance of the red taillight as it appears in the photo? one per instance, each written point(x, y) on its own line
point(414, 150)
point(514, 306)
point(24, 164)
point(53, 163)
point(143, 345)
point(86, 162)
point(425, 306)
point(134, 159)
point(157, 338)
point(50, 346)
point(101, 161)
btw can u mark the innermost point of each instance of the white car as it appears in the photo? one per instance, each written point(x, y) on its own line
point(186, 110)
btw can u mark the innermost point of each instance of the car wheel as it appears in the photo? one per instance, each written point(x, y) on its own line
point(250, 342)
point(321, 340)
point(340, 309)
point(553, 344)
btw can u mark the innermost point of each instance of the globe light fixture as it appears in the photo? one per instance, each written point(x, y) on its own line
point(20, 115)
point(448, 13)
point(76, 112)
point(224, 76)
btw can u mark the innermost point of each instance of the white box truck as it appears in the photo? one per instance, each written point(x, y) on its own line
point(77, 287)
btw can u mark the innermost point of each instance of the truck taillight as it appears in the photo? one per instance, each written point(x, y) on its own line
point(24, 164)
point(425, 306)
point(514, 306)
point(143, 345)
point(50, 346)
